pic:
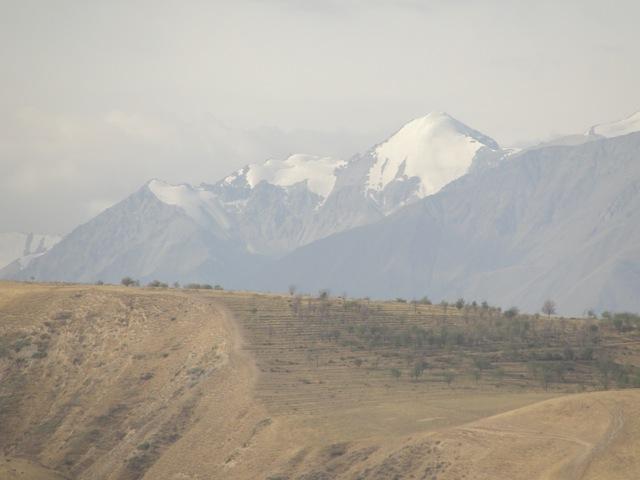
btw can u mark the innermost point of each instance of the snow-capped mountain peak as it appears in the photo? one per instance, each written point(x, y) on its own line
point(319, 173)
point(199, 203)
point(615, 129)
point(436, 149)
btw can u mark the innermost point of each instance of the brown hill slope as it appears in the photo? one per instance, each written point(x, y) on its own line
point(109, 382)
point(101, 382)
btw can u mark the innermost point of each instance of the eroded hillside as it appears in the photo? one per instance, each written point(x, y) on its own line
point(101, 383)
point(124, 383)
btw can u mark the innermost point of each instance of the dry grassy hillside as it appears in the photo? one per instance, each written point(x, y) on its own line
point(101, 382)
point(114, 382)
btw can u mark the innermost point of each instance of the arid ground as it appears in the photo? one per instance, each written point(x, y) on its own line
point(125, 383)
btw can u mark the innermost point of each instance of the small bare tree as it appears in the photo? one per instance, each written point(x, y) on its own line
point(549, 308)
point(449, 377)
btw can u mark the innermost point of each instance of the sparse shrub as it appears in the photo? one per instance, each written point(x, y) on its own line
point(568, 353)
point(196, 371)
point(499, 374)
point(129, 282)
point(586, 354)
point(396, 373)
point(481, 363)
point(157, 284)
point(21, 343)
point(337, 449)
point(511, 312)
point(449, 377)
point(201, 286)
point(418, 369)
point(63, 315)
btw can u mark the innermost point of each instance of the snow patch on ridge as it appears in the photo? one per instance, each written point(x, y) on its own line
point(319, 173)
point(615, 129)
point(436, 149)
point(198, 203)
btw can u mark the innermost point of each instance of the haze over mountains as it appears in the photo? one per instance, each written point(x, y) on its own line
point(559, 222)
point(17, 249)
point(437, 209)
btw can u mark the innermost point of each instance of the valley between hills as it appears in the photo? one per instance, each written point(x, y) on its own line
point(112, 382)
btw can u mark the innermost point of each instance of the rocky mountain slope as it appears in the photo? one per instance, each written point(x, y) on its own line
point(557, 222)
point(221, 232)
point(281, 205)
point(437, 209)
point(149, 236)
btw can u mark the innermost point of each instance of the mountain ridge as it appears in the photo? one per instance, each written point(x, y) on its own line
point(551, 223)
point(260, 217)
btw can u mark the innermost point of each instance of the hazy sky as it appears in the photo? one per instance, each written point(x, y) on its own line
point(97, 97)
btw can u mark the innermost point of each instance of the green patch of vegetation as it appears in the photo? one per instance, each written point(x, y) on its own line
point(21, 343)
point(199, 286)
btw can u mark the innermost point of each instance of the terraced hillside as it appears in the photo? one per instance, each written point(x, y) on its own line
point(125, 383)
point(318, 353)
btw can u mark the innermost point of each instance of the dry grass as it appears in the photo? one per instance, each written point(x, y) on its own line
point(110, 382)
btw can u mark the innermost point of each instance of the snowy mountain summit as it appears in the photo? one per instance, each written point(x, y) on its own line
point(267, 209)
point(418, 160)
point(198, 203)
point(434, 149)
point(318, 174)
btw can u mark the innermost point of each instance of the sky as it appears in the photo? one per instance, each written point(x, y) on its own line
point(99, 97)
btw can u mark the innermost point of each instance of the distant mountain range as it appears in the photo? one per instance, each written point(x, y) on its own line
point(437, 209)
point(18, 249)
point(558, 223)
